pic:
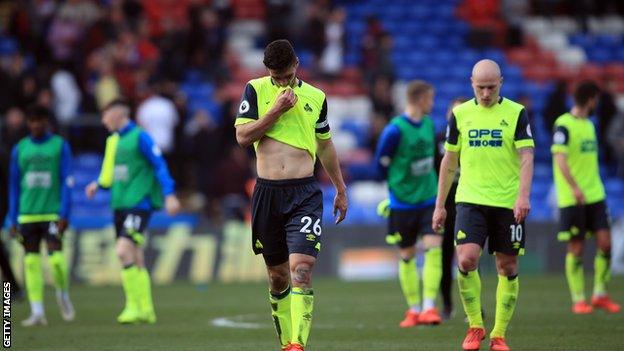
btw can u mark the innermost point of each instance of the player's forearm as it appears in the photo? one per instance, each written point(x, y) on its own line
point(448, 168)
point(526, 172)
point(562, 163)
point(329, 159)
point(248, 133)
point(66, 182)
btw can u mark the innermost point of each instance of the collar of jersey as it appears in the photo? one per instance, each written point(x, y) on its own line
point(42, 139)
point(412, 122)
point(298, 84)
point(500, 101)
point(127, 128)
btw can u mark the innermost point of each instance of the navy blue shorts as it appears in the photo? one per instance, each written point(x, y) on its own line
point(478, 223)
point(286, 218)
point(33, 233)
point(131, 224)
point(410, 224)
point(578, 222)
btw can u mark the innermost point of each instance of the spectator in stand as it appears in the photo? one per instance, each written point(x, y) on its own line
point(315, 23)
point(278, 15)
point(205, 150)
point(332, 59)
point(616, 141)
point(159, 117)
point(206, 41)
point(381, 97)
point(606, 112)
point(13, 128)
point(556, 105)
point(106, 86)
point(66, 95)
point(371, 41)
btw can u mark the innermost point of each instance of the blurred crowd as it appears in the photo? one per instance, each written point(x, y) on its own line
point(75, 56)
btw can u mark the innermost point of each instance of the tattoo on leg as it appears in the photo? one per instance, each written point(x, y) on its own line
point(302, 275)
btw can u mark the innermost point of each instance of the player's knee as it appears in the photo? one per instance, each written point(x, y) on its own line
point(467, 263)
point(575, 247)
point(125, 256)
point(279, 280)
point(302, 275)
point(507, 268)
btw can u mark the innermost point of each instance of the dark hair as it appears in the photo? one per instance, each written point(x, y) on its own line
point(416, 89)
point(279, 55)
point(585, 91)
point(36, 112)
point(119, 102)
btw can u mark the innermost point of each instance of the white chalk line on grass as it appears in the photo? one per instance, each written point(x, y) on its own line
point(247, 321)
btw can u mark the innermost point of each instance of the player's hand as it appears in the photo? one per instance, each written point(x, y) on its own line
point(13, 233)
point(438, 220)
point(172, 205)
point(91, 189)
point(340, 206)
point(521, 209)
point(61, 225)
point(383, 208)
point(286, 100)
point(578, 195)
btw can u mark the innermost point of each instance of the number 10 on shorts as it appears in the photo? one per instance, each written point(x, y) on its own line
point(516, 232)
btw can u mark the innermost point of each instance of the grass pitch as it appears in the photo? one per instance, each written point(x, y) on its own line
point(348, 316)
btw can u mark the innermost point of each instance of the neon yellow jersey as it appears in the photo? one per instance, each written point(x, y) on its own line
point(487, 139)
point(576, 137)
point(298, 127)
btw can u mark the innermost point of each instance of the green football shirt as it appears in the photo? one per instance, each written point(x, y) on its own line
point(298, 127)
point(576, 137)
point(487, 139)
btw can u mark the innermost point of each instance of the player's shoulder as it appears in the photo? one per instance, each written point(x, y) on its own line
point(511, 105)
point(564, 120)
point(256, 83)
point(464, 107)
point(311, 89)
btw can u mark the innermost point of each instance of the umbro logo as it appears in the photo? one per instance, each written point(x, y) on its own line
point(307, 108)
point(504, 123)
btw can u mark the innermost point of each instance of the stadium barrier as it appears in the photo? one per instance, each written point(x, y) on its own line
point(204, 254)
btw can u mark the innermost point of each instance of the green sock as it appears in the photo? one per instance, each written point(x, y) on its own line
point(280, 310)
point(432, 274)
point(470, 292)
point(33, 277)
point(576, 280)
point(408, 277)
point(301, 306)
point(58, 266)
point(144, 288)
point(602, 272)
point(130, 280)
point(506, 297)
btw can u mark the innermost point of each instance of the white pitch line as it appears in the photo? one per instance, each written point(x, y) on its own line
point(237, 322)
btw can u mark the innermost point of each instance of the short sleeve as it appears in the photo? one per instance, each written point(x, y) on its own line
point(322, 124)
point(561, 138)
point(452, 135)
point(523, 137)
point(248, 108)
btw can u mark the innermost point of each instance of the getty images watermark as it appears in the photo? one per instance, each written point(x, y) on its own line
point(6, 315)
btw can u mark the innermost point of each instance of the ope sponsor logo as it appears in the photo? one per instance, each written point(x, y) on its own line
point(485, 137)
